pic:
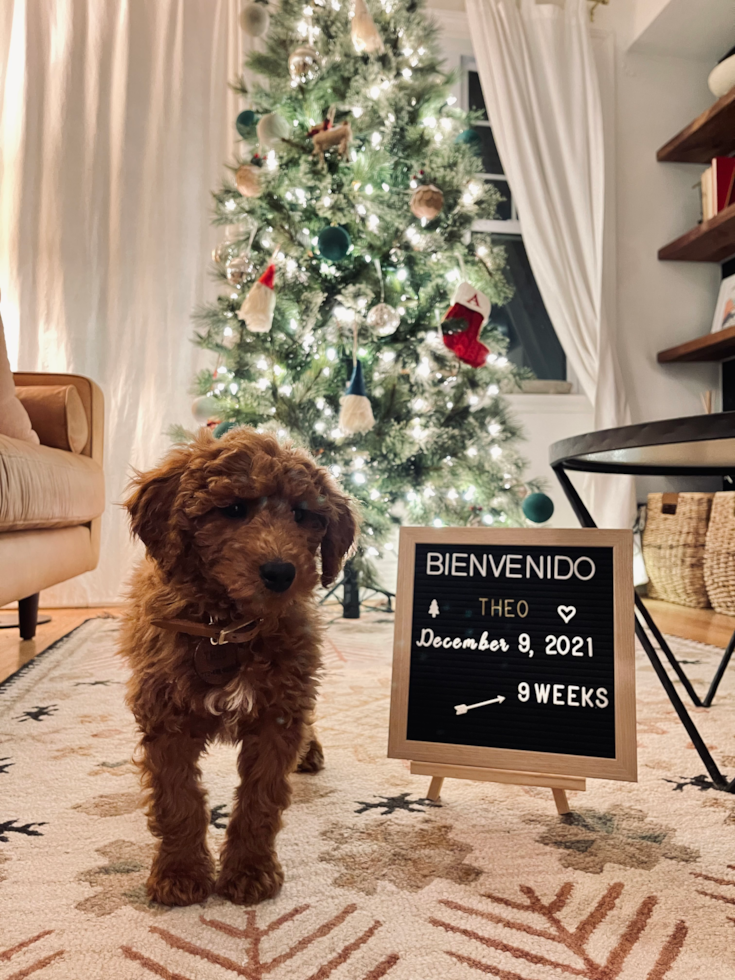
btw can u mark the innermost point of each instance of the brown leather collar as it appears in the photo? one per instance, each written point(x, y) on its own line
point(234, 633)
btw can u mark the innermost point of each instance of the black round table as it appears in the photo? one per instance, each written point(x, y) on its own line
point(700, 445)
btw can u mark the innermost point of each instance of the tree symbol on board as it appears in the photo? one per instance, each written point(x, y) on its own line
point(434, 609)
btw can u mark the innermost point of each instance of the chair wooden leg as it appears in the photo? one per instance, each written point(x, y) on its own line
point(28, 616)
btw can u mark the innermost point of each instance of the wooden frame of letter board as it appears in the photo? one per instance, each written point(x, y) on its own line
point(623, 766)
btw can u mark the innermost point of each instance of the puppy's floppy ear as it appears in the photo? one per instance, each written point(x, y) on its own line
point(150, 507)
point(340, 534)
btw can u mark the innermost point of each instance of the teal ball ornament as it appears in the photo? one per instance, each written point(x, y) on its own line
point(538, 508)
point(334, 243)
point(245, 122)
point(469, 137)
point(219, 430)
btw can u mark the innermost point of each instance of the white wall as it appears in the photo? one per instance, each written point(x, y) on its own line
point(659, 304)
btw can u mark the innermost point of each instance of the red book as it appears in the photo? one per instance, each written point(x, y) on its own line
point(723, 182)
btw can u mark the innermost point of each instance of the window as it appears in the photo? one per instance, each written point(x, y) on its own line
point(532, 341)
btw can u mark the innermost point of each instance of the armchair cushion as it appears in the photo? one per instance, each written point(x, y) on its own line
point(14, 421)
point(44, 488)
point(57, 415)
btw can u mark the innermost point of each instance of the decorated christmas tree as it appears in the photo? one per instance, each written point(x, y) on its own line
point(354, 313)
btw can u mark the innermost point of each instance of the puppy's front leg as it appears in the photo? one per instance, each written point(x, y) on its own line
point(251, 871)
point(183, 869)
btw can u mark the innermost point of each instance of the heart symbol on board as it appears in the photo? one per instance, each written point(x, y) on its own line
point(567, 612)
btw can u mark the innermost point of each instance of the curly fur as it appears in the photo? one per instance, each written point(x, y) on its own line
point(201, 563)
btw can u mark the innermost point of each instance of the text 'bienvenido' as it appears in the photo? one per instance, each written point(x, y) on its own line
point(460, 564)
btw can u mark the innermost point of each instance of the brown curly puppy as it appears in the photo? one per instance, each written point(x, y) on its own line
point(223, 642)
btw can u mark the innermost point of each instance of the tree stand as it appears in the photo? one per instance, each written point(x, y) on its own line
point(350, 583)
point(350, 592)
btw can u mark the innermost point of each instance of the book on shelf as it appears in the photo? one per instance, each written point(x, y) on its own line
point(718, 186)
point(706, 185)
point(723, 172)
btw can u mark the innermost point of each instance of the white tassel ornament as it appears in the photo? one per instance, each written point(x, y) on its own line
point(259, 305)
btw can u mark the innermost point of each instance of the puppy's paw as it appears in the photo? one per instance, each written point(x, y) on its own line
point(313, 759)
point(181, 887)
point(250, 885)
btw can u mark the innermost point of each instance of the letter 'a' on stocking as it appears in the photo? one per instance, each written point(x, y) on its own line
point(462, 324)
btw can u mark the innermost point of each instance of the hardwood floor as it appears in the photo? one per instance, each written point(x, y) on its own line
point(15, 652)
point(703, 625)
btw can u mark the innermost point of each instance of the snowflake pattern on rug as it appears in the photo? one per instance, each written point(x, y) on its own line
point(38, 712)
point(13, 827)
point(391, 804)
point(621, 835)
point(408, 857)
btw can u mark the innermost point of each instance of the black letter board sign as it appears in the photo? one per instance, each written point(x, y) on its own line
point(514, 649)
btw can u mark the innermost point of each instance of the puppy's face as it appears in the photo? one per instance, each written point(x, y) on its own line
point(246, 515)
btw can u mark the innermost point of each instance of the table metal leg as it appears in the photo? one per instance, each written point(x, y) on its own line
point(666, 650)
point(692, 731)
point(720, 672)
point(585, 519)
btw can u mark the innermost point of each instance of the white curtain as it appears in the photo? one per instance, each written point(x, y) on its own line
point(116, 122)
point(539, 80)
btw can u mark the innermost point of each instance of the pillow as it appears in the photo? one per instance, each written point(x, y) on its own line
point(14, 421)
point(57, 415)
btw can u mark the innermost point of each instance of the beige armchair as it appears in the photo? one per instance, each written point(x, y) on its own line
point(51, 495)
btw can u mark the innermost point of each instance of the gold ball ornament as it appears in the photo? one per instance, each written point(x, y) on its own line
point(254, 19)
point(427, 201)
point(247, 180)
point(303, 63)
point(271, 129)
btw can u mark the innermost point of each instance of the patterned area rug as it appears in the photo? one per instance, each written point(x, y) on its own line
point(637, 884)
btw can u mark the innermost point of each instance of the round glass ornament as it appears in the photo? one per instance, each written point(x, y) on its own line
point(383, 319)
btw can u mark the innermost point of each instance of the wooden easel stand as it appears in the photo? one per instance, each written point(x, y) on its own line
point(557, 784)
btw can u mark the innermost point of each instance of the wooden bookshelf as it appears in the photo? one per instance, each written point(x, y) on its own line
point(712, 347)
point(710, 135)
point(711, 241)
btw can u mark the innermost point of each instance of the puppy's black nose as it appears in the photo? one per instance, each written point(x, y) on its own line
point(278, 575)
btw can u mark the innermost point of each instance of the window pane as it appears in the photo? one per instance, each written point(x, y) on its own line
point(524, 320)
point(490, 160)
point(477, 100)
point(504, 209)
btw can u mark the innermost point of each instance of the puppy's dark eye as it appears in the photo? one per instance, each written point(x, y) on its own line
point(308, 518)
point(236, 511)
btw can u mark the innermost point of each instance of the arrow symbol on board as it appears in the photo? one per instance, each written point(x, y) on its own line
point(462, 709)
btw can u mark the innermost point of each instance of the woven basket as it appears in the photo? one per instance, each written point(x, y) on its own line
point(673, 547)
point(719, 554)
